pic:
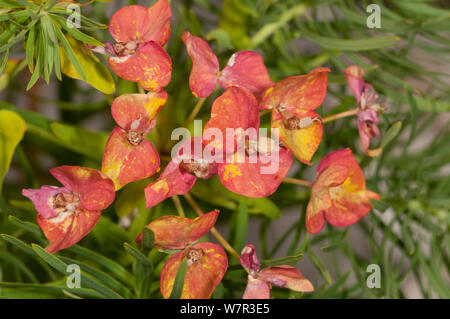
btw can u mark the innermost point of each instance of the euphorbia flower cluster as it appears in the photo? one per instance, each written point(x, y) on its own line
point(128, 155)
point(140, 34)
point(293, 101)
point(246, 162)
point(245, 69)
point(66, 214)
point(207, 262)
point(339, 193)
point(260, 281)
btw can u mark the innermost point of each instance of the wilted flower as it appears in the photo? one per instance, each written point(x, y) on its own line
point(207, 262)
point(260, 281)
point(244, 69)
point(128, 155)
point(339, 193)
point(367, 108)
point(66, 214)
point(292, 101)
point(140, 33)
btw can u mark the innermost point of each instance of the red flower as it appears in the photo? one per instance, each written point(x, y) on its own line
point(207, 262)
point(180, 174)
point(254, 166)
point(260, 281)
point(128, 155)
point(367, 108)
point(244, 69)
point(140, 33)
point(293, 100)
point(66, 214)
point(339, 193)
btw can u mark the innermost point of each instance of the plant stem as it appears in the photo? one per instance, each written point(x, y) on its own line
point(297, 181)
point(264, 112)
point(195, 111)
point(340, 115)
point(214, 231)
point(177, 202)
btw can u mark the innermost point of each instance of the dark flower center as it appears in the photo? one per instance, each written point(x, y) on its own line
point(135, 138)
point(129, 48)
point(199, 168)
point(63, 202)
point(193, 255)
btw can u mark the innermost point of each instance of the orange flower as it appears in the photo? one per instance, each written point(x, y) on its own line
point(292, 101)
point(207, 262)
point(339, 193)
point(66, 214)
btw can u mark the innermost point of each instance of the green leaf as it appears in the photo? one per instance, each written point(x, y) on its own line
point(391, 133)
point(320, 266)
point(270, 28)
point(29, 48)
point(18, 243)
point(117, 270)
point(96, 74)
point(288, 260)
point(148, 238)
point(140, 257)
point(352, 44)
point(84, 38)
point(30, 227)
point(178, 285)
point(222, 38)
point(12, 129)
point(59, 265)
point(87, 142)
point(240, 227)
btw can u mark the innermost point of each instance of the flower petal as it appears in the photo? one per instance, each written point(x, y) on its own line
point(125, 163)
point(342, 204)
point(136, 22)
point(343, 157)
point(41, 199)
point(368, 128)
point(202, 276)
point(205, 66)
point(129, 23)
point(286, 277)
point(173, 181)
point(349, 208)
point(354, 75)
point(137, 112)
point(303, 142)
point(301, 92)
point(95, 189)
point(246, 69)
point(175, 232)
point(151, 66)
point(258, 179)
point(248, 259)
point(256, 289)
point(236, 108)
point(68, 228)
point(159, 16)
